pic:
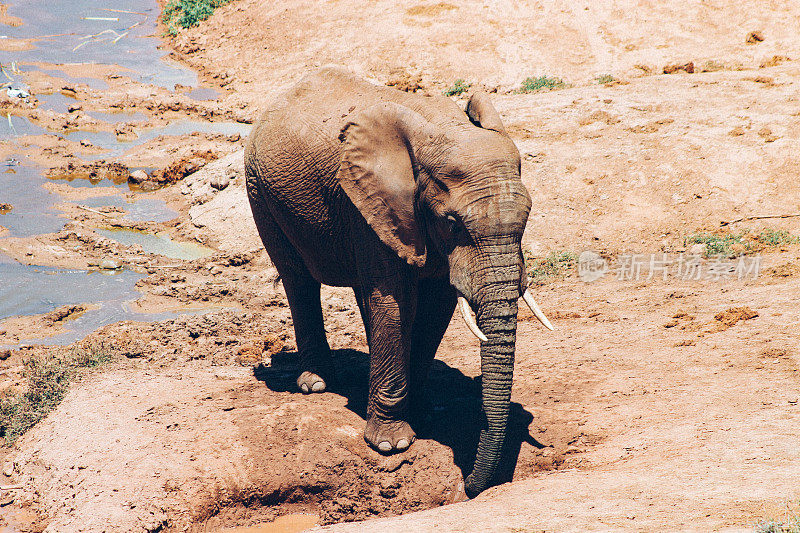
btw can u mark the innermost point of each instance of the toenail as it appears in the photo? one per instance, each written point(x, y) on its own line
point(384, 446)
point(319, 386)
point(402, 444)
point(304, 388)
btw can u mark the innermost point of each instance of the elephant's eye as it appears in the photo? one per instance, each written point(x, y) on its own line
point(453, 225)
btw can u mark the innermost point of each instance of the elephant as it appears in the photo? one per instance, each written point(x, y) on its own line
point(419, 207)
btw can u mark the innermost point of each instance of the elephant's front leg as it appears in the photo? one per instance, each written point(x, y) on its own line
point(391, 304)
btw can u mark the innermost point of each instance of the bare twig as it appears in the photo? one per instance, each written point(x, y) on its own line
point(791, 215)
point(94, 211)
point(123, 11)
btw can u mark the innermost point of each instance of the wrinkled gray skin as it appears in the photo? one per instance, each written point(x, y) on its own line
point(410, 201)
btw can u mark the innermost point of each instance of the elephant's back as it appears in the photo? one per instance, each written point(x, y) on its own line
point(294, 152)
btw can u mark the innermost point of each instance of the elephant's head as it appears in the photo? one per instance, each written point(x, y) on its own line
point(454, 191)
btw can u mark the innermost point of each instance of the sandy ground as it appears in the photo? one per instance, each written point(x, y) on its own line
point(661, 403)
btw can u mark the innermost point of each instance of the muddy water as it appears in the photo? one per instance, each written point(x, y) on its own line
point(33, 213)
point(159, 243)
point(140, 210)
point(293, 523)
point(115, 32)
point(69, 32)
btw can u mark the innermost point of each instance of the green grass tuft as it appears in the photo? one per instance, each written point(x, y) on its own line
point(530, 85)
point(770, 237)
point(188, 13)
point(719, 244)
point(606, 78)
point(730, 244)
point(48, 379)
point(460, 86)
point(552, 265)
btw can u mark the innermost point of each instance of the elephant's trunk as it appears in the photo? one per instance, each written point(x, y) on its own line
point(496, 310)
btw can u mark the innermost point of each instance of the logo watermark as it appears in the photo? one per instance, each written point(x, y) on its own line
point(643, 267)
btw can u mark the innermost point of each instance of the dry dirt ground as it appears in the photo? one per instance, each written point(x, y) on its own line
point(656, 404)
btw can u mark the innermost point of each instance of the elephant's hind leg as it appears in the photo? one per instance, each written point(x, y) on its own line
point(302, 291)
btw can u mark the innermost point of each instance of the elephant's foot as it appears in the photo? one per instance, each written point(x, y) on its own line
point(309, 382)
point(388, 436)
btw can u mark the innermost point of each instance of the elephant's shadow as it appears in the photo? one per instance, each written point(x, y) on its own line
point(451, 416)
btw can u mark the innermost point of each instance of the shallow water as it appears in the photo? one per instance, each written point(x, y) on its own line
point(65, 37)
point(292, 523)
point(108, 141)
point(142, 210)
point(115, 118)
point(33, 212)
point(159, 243)
point(204, 93)
point(129, 42)
point(55, 102)
point(11, 126)
point(33, 290)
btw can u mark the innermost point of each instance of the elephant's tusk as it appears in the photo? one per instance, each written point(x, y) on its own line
point(469, 319)
point(536, 309)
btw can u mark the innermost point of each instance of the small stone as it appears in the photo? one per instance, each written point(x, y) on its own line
point(697, 249)
point(686, 67)
point(138, 176)
point(219, 182)
point(754, 37)
point(149, 185)
point(5, 354)
point(86, 142)
point(109, 264)
point(8, 469)
point(74, 107)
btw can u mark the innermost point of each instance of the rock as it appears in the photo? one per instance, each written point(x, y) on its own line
point(754, 37)
point(138, 176)
point(5, 208)
point(74, 107)
point(125, 132)
point(17, 93)
point(697, 249)
point(686, 67)
point(8, 469)
point(109, 264)
point(735, 314)
point(219, 182)
point(5, 354)
point(86, 142)
point(149, 185)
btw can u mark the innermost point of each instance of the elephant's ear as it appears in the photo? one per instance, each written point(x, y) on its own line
point(483, 114)
point(378, 173)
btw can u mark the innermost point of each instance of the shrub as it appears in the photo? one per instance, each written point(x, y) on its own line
point(552, 265)
point(530, 85)
point(718, 244)
point(605, 79)
point(738, 243)
point(459, 87)
point(770, 237)
point(188, 13)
